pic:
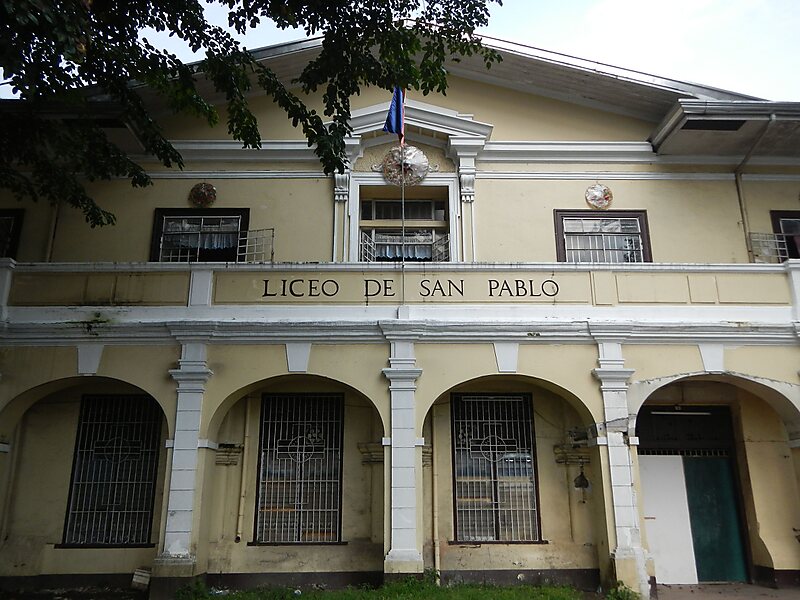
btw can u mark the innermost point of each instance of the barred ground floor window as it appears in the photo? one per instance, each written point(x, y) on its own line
point(114, 471)
point(300, 469)
point(494, 468)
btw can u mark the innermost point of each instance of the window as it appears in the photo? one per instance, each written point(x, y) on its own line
point(114, 472)
point(494, 468)
point(10, 226)
point(300, 469)
point(210, 235)
point(426, 228)
point(607, 237)
point(786, 226)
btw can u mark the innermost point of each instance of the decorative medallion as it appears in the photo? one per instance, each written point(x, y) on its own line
point(202, 195)
point(599, 196)
point(405, 165)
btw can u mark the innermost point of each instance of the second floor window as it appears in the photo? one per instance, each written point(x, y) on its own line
point(10, 225)
point(607, 237)
point(786, 226)
point(425, 237)
point(210, 235)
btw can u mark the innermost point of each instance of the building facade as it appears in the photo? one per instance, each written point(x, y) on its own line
point(569, 352)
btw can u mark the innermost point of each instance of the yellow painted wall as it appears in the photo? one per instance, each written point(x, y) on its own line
point(567, 521)
point(361, 529)
point(273, 203)
point(33, 519)
point(770, 362)
point(238, 370)
point(515, 115)
point(515, 221)
point(763, 196)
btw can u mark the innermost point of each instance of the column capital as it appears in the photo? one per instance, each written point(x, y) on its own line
point(613, 378)
point(341, 186)
point(402, 377)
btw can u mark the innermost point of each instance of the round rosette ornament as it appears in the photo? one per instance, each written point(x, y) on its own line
point(599, 196)
point(202, 195)
point(405, 165)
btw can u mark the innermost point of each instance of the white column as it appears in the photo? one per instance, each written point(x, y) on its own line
point(191, 378)
point(616, 433)
point(405, 554)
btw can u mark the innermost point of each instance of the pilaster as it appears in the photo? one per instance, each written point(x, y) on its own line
point(615, 434)
point(405, 551)
point(178, 556)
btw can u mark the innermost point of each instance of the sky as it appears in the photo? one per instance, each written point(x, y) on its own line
point(746, 46)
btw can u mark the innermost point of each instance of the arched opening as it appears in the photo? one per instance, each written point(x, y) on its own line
point(296, 482)
point(719, 490)
point(514, 488)
point(83, 479)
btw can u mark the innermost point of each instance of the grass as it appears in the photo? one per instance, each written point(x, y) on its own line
point(409, 589)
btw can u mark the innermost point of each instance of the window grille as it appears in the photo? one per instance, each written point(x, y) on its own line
point(494, 467)
point(114, 471)
point(614, 240)
point(10, 225)
point(770, 247)
point(256, 246)
point(201, 238)
point(417, 245)
point(299, 483)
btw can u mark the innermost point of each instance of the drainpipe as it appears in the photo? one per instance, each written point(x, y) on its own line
point(435, 500)
point(737, 174)
point(245, 470)
point(48, 252)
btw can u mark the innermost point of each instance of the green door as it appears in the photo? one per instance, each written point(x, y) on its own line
point(716, 535)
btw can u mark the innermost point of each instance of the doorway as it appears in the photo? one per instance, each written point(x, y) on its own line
point(691, 494)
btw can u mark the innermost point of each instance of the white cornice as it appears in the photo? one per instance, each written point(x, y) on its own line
point(469, 140)
point(271, 150)
point(419, 114)
point(222, 174)
point(566, 151)
point(357, 267)
point(536, 332)
point(605, 175)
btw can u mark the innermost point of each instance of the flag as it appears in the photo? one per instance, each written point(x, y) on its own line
point(395, 120)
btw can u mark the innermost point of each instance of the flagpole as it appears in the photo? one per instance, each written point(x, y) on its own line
point(403, 200)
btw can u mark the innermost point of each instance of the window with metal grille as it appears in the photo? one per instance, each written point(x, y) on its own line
point(300, 469)
point(114, 471)
point(494, 468)
point(607, 237)
point(10, 226)
point(208, 235)
point(426, 235)
point(786, 226)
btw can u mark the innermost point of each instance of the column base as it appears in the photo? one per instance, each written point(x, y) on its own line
point(171, 573)
point(403, 562)
point(631, 570)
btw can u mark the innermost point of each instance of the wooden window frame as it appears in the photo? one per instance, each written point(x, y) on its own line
point(641, 215)
point(16, 214)
point(160, 213)
point(775, 217)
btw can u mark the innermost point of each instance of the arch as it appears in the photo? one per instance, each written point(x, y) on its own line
point(751, 468)
point(211, 425)
point(782, 397)
point(517, 380)
point(15, 408)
